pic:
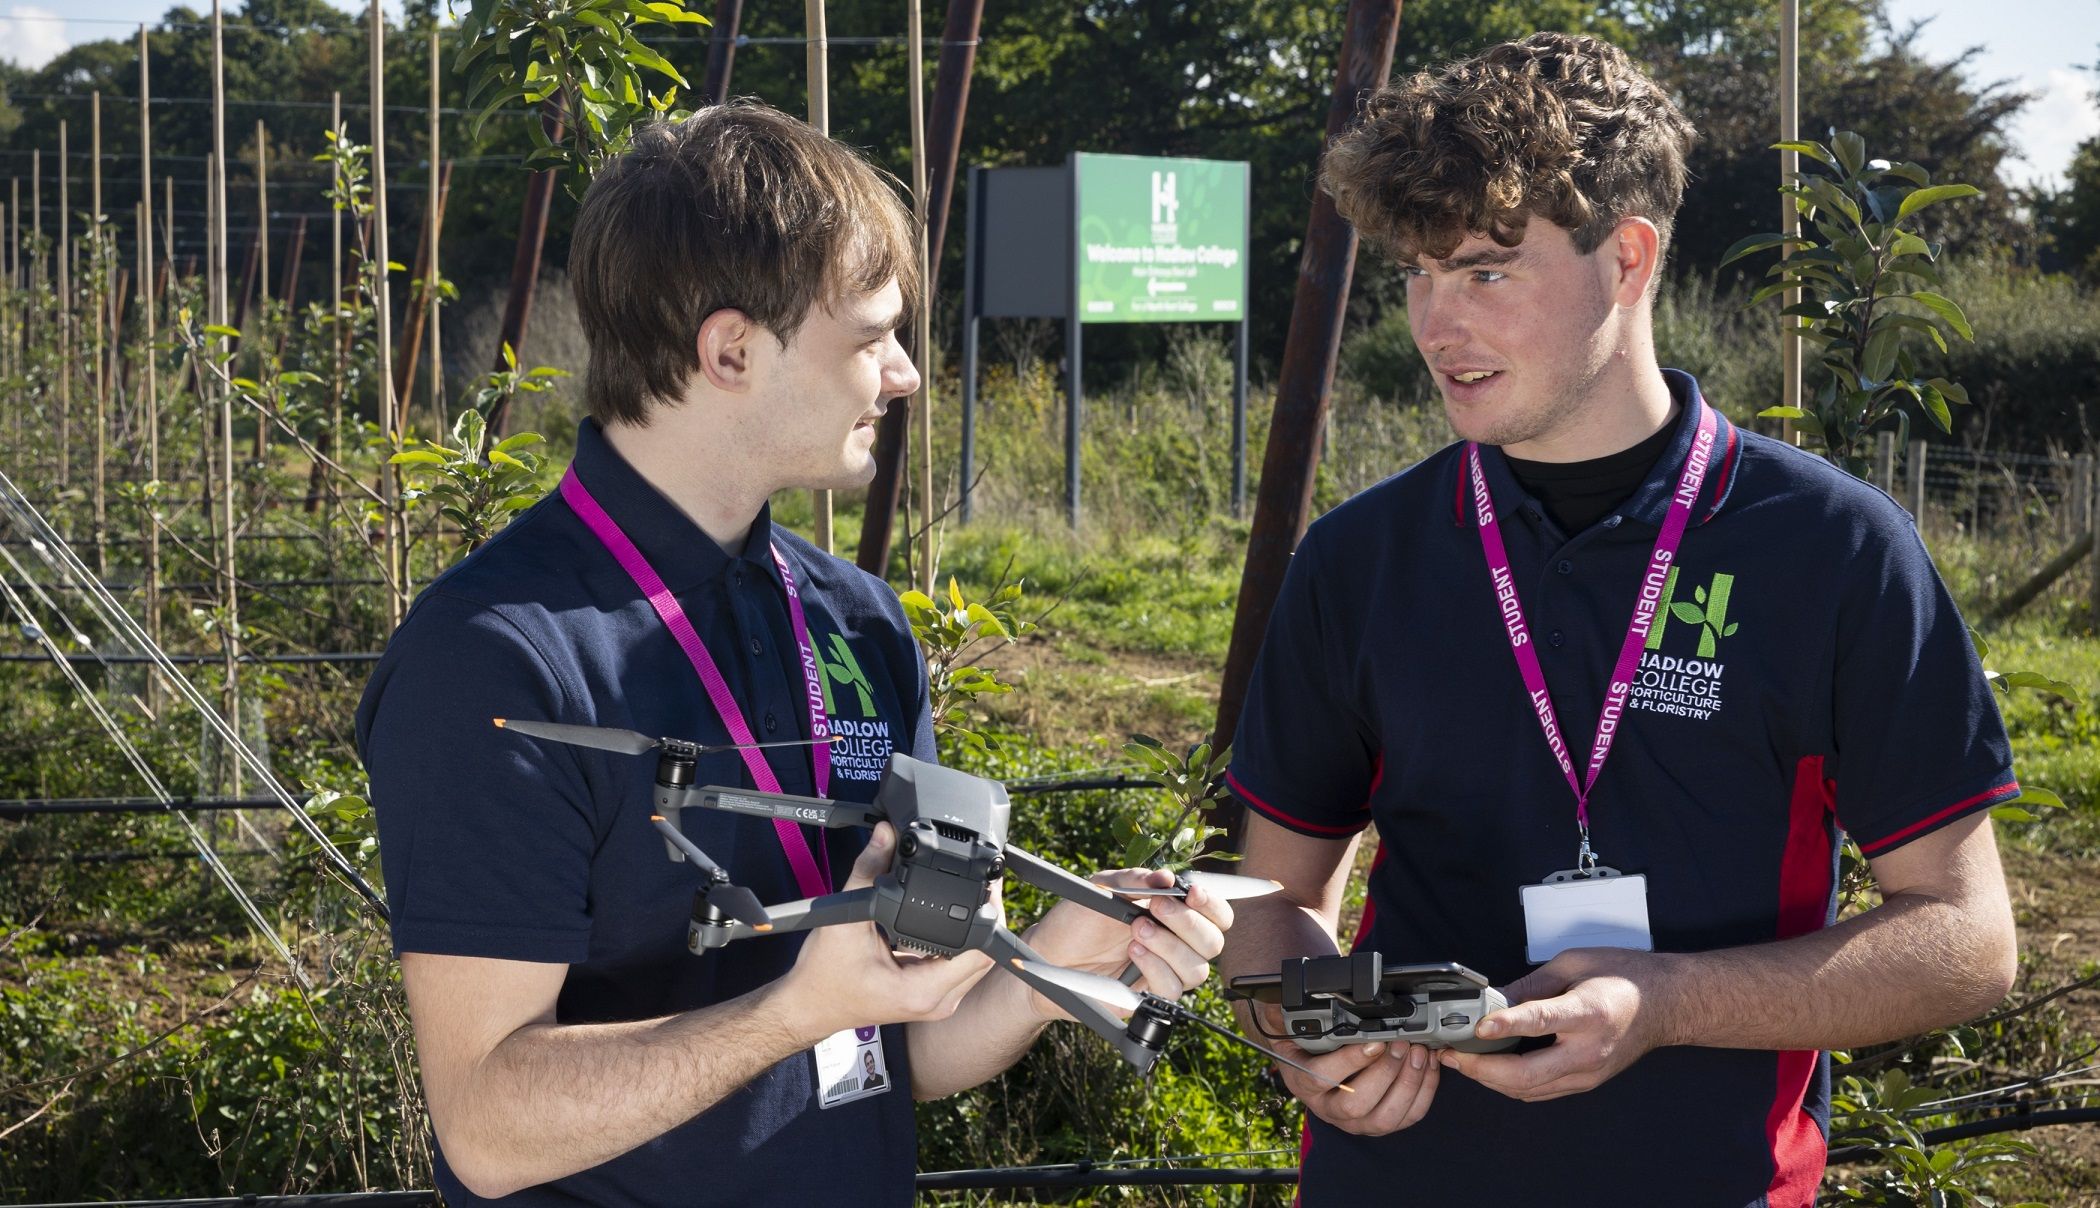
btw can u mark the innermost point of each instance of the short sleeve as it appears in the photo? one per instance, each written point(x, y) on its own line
point(485, 837)
point(1918, 739)
point(1301, 757)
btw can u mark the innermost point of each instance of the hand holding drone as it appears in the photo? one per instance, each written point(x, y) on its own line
point(938, 899)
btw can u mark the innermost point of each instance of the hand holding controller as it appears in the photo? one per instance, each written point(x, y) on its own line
point(1333, 1001)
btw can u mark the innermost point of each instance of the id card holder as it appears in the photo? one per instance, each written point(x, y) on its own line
point(850, 1066)
point(1602, 908)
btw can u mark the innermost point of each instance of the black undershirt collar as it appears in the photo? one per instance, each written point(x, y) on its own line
point(1577, 494)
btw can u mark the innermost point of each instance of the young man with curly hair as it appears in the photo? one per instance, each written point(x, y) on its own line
point(1610, 677)
point(741, 279)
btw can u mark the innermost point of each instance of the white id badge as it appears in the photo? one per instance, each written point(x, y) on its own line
point(850, 1066)
point(1602, 909)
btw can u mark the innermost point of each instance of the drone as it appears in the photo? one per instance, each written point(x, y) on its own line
point(936, 899)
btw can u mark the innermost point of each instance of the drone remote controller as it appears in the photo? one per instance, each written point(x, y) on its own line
point(1332, 1001)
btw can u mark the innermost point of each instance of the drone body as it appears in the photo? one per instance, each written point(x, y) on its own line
point(937, 898)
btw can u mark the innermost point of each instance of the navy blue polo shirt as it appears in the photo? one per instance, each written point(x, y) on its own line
point(498, 845)
point(1808, 673)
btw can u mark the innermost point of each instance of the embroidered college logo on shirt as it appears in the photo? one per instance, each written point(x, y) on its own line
point(1686, 684)
point(849, 702)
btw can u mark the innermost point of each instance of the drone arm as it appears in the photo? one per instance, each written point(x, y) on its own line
point(852, 906)
point(814, 811)
point(1071, 887)
point(1007, 949)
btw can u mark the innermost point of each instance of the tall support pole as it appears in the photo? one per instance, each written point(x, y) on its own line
point(167, 231)
point(421, 310)
point(818, 62)
point(525, 266)
point(335, 292)
point(229, 500)
point(1789, 215)
point(951, 99)
point(1283, 499)
point(151, 399)
point(65, 312)
point(382, 302)
point(439, 179)
point(922, 404)
point(100, 291)
point(262, 208)
point(721, 49)
point(262, 272)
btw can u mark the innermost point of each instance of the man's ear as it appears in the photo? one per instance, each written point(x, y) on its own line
point(724, 345)
point(1634, 249)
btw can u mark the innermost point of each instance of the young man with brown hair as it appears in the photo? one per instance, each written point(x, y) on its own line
point(741, 280)
point(1608, 677)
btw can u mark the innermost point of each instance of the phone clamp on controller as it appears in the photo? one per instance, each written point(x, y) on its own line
point(1332, 1001)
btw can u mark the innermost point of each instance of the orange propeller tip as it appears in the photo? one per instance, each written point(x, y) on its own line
point(656, 817)
point(762, 927)
point(499, 723)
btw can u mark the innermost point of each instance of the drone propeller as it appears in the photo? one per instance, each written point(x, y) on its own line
point(1227, 886)
point(735, 901)
point(633, 742)
point(1110, 992)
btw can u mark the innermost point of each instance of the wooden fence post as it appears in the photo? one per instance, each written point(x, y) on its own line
point(1916, 467)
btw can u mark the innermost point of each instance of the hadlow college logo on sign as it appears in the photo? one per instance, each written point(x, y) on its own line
point(849, 702)
point(1684, 680)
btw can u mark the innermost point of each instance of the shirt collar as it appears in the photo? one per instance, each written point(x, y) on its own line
point(1650, 501)
point(684, 556)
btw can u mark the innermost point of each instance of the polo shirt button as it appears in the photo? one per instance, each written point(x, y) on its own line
point(756, 647)
point(772, 723)
point(1566, 567)
point(737, 576)
point(1556, 639)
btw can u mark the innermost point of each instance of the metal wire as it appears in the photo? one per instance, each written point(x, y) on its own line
point(146, 773)
point(122, 622)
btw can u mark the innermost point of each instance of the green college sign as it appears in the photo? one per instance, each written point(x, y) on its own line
point(1161, 240)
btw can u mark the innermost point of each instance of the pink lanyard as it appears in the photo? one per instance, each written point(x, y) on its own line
point(1504, 582)
point(814, 882)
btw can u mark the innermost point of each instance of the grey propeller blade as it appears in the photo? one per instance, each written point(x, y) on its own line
point(1101, 989)
point(742, 905)
point(1264, 1050)
point(624, 742)
point(1227, 886)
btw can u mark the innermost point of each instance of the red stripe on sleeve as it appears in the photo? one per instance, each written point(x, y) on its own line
point(1240, 790)
point(2006, 791)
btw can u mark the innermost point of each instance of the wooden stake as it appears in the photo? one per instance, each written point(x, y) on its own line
point(1789, 216)
point(262, 254)
point(149, 298)
point(389, 474)
point(230, 583)
point(922, 402)
point(432, 277)
point(335, 290)
point(818, 61)
point(102, 295)
point(65, 314)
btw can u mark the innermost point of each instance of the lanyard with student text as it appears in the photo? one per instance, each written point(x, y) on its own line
point(813, 881)
point(1689, 482)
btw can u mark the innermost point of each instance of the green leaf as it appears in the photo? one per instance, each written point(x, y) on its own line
point(1878, 361)
point(1781, 413)
point(1756, 243)
point(1946, 309)
point(2036, 796)
point(220, 329)
point(500, 458)
point(1851, 151)
point(1955, 391)
point(417, 457)
point(1937, 193)
point(522, 439)
point(2040, 683)
point(1812, 150)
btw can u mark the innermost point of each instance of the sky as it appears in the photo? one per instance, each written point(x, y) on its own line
point(2039, 46)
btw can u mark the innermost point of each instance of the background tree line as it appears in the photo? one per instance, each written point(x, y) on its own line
point(1228, 79)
